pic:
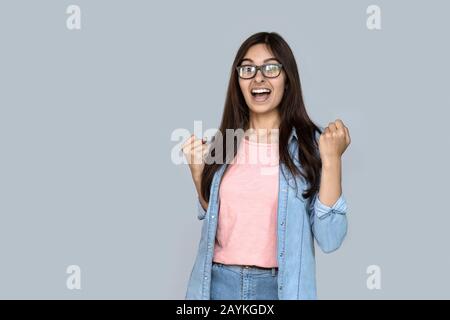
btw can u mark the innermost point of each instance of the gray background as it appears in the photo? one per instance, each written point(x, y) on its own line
point(86, 116)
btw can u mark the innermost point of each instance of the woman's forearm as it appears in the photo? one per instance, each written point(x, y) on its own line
point(330, 182)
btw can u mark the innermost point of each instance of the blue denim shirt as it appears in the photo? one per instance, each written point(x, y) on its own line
point(299, 222)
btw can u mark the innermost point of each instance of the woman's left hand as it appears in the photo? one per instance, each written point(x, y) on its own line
point(333, 141)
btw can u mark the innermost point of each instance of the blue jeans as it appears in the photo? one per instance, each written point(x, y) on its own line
point(233, 282)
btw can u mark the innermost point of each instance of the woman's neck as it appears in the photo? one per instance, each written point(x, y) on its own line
point(264, 128)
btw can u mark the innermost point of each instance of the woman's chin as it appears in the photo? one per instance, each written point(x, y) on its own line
point(261, 108)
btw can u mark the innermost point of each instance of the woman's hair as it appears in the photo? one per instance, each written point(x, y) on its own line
point(292, 115)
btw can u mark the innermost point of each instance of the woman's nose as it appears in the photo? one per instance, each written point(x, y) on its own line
point(259, 76)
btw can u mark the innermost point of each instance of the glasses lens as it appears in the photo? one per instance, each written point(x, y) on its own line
point(272, 70)
point(246, 71)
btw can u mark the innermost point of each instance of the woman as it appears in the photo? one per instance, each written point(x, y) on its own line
point(260, 219)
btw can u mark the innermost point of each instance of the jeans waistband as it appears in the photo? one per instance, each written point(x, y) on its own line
point(248, 269)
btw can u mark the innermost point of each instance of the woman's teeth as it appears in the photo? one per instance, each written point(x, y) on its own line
point(260, 95)
point(257, 91)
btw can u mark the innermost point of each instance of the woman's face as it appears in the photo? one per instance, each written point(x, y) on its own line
point(258, 55)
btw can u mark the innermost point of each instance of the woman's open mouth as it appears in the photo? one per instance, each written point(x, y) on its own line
point(260, 95)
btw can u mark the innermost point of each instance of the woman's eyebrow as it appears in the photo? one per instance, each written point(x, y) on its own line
point(248, 59)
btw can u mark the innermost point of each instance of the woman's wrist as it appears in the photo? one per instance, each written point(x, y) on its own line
point(331, 162)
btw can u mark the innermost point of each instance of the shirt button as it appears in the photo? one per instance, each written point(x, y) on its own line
point(281, 287)
point(212, 217)
point(206, 278)
point(281, 254)
point(282, 223)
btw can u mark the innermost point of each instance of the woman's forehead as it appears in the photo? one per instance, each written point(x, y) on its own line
point(259, 53)
point(260, 60)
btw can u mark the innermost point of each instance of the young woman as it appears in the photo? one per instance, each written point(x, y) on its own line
point(260, 217)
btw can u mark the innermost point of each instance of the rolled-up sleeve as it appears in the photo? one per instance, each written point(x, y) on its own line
point(201, 213)
point(329, 224)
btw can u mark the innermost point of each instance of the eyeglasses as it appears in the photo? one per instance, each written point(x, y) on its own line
point(269, 70)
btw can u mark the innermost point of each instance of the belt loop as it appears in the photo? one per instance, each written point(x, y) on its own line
point(273, 272)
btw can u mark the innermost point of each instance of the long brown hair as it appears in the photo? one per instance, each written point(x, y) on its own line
point(292, 115)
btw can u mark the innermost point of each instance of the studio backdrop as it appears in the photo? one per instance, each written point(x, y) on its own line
point(92, 203)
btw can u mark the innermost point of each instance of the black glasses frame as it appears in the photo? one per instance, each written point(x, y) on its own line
point(261, 67)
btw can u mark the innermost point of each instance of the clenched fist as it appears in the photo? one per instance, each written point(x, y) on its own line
point(195, 150)
point(334, 141)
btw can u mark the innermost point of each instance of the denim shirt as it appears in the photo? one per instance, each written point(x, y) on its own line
point(299, 222)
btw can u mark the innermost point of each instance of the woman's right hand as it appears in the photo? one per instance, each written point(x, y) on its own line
point(194, 150)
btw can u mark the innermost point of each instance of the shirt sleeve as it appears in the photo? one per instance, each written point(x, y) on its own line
point(322, 211)
point(329, 224)
point(201, 213)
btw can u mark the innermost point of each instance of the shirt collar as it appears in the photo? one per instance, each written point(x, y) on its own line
point(293, 135)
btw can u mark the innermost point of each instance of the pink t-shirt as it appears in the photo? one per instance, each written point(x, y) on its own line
point(247, 225)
